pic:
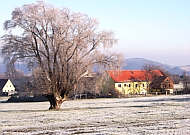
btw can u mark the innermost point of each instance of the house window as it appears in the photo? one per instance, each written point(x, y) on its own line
point(143, 85)
point(136, 85)
point(129, 85)
point(125, 85)
point(119, 85)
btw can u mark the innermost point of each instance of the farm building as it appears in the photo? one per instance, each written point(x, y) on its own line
point(162, 84)
point(139, 81)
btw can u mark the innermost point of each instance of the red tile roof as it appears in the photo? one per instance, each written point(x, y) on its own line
point(133, 75)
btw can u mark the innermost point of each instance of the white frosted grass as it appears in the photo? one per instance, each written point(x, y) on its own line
point(144, 115)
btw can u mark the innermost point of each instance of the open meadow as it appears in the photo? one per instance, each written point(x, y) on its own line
point(123, 116)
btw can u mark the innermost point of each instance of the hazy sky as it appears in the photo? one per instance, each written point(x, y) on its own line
point(154, 29)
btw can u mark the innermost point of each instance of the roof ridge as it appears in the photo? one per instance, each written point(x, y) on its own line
point(123, 75)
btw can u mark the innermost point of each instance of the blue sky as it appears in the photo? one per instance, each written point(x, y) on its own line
point(154, 29)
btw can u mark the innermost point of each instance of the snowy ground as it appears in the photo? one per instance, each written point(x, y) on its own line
point(140, 116)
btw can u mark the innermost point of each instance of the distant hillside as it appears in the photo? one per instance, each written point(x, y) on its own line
point(138, 63)
point(186, 68)
point(2, 68)
point(20, 67)
point(129, 64)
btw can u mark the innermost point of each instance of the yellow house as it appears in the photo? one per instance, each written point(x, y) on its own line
point(132, 87)
point(133, 81)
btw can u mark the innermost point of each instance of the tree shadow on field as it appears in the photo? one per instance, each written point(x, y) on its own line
point(105, 107)
point(185, 99)
point(24, 111)
point(76, 109)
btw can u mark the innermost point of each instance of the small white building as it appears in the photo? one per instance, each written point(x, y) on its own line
point(182, 86)
point(6, 87)
point(179, 87)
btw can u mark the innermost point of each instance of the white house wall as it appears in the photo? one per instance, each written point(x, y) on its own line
point(9, 87)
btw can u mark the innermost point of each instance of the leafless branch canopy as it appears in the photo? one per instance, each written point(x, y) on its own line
point(62, 44)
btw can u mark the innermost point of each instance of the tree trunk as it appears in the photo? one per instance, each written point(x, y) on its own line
point(55, 101)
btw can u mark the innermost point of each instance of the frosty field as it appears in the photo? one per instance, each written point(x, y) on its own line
point(142, 116)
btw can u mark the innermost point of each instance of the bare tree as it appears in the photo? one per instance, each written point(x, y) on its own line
point(150, 74)
point(185, 79)
point(62, 44)
point(149, 68)
point(153, 77)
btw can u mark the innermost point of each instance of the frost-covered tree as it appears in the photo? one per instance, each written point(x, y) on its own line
point(62, 44)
